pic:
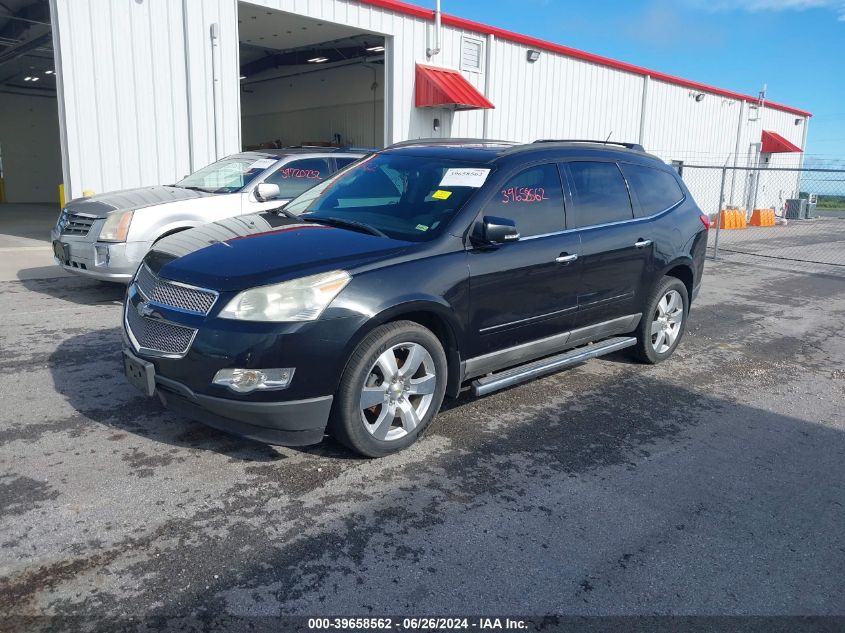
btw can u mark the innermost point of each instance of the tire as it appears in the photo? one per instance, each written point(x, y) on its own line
point(401, 410)
point(664, 321)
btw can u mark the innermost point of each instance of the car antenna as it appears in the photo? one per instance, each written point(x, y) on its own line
point(608, 137)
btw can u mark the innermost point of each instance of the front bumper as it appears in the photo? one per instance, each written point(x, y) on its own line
point(291, 423)
point(101, 260)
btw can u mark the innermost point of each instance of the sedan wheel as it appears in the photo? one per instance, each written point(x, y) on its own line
point(667, 321)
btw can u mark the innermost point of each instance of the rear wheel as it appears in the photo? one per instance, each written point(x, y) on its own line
point(391, 389)
point(664, 321)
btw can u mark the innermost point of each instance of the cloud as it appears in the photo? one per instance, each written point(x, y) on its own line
point(754, 6)
point(660, 25)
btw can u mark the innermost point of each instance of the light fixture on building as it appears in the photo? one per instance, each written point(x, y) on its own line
point(700, 97)
point(48, 72)
point(27, 78)
point(533, 55)
point(318, 60)
point(436, 125)
point(243, 77)
point(376, 49)
point(799, 121)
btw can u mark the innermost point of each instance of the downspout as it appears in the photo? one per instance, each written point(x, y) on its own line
point(215, 86)
point(488, 83)
point(185, 40)
point(736, 149)
point(643, 106)
point(431, 52)
point(804, 142)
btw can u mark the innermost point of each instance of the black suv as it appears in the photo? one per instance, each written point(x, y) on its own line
point(421, 270)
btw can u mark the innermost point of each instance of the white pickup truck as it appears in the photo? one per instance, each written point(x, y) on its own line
point(107, 235)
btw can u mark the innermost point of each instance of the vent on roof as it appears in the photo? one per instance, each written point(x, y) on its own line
point(472, 53)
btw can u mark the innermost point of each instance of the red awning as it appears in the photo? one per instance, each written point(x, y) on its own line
point(774, 143)
point(441, 87)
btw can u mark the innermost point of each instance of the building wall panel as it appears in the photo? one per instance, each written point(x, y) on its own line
point(135, 110)
point(32, 166)
point(145, 97)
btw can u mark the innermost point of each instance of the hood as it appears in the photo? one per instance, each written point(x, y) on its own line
point(261, 249)
point(102, 204)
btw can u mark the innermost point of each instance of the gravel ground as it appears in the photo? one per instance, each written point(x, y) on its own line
point(710, 484)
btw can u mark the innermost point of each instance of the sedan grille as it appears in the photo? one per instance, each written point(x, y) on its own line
point(173, 295)
point(74, 224)
point(158, 336)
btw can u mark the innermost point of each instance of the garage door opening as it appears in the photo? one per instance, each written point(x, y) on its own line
point(30, 150)
point(307, 82)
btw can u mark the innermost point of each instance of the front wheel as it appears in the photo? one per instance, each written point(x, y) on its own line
point(664, 321)
point(391, 390)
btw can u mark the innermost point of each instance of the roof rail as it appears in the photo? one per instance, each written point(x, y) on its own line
point(633, 146)
point(450, 141)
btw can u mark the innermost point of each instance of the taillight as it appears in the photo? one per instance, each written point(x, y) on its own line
point(705, 220)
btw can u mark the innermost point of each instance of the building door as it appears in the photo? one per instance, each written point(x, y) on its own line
point(752, 183)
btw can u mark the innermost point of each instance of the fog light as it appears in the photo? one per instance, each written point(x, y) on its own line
point(246, 380)
point(102, 255)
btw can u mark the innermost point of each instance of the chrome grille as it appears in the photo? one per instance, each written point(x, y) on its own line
point(74, 224)
point(173, 295)
point(156, 335)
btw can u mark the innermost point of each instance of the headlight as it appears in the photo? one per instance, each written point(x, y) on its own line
point(302, 299)
point(116, 227)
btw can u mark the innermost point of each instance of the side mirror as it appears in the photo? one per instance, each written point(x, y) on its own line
point(493, 230)
point(266, 192)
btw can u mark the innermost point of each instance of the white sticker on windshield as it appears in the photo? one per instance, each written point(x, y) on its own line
point(464, 177)
point(263, 163)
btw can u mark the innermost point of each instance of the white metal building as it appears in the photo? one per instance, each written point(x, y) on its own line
point(149, 90)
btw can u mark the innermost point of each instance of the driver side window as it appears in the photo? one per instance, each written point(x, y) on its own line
point(533, 199)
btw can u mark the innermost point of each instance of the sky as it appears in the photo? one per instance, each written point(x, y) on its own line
point(795, 47)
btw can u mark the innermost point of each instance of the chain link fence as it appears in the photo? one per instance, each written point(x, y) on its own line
point(796, 216)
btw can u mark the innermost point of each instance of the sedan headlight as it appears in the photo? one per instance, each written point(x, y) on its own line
point(302, 299)
point(116, 227)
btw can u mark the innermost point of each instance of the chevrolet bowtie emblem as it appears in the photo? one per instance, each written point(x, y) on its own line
point(145, 310)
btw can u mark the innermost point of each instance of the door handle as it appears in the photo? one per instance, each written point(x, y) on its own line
point(566, 259)
point(641, 243)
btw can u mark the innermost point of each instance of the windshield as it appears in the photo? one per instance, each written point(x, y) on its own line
point(227, 175)
point(410, 198)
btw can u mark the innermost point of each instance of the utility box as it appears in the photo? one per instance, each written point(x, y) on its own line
point(796, 209)
point(811, 206)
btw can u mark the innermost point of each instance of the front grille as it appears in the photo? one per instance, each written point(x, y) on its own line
point(74, 224)
point(172, 295)
point(158, 336)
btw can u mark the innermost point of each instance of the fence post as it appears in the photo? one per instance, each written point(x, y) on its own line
point(719, 214)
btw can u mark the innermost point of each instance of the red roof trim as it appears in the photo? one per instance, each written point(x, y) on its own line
point(469, 25)
point(445, 87)
point(774, 143)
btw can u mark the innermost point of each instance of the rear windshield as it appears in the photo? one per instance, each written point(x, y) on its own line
point(411, 198)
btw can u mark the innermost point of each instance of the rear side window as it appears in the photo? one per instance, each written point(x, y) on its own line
point(533, 199)
point(654, 189)
point(599, 193)
point(299, 175)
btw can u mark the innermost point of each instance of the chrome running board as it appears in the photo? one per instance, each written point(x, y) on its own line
point(529, 371)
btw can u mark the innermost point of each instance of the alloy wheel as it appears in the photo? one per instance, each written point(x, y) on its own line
point(667, 321)
point(398, 391)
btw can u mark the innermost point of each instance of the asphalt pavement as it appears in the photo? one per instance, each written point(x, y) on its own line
point(710, 484)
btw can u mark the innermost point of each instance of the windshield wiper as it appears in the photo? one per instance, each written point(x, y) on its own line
point(286, 213)
point(349, 224)
point(194, 188)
